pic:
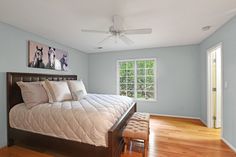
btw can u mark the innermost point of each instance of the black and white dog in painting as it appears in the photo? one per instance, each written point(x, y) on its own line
point(38, 58)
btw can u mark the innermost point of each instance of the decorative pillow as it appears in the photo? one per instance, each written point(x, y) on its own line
point(75, 86)
point(59, 90)
point(33, 93)
point(78, 95)
point(48, 92)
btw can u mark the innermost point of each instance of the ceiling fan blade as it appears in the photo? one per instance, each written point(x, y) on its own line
point(232, 11)
point(138, 31)
point(126, 40)
point(94, 31)
point(105, 39)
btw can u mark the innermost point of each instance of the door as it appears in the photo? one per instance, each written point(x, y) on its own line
point(214, 87)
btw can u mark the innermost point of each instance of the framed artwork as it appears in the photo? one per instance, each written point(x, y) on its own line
point(47, 57)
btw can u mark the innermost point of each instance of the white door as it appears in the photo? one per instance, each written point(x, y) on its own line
point(214, 87)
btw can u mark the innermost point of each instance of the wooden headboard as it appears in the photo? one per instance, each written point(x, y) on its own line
point(13, 91)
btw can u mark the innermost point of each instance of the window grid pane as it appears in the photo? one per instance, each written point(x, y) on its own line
point(126, 76)
point(137, 79)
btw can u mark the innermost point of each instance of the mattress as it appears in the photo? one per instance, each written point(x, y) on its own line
point(86, 121)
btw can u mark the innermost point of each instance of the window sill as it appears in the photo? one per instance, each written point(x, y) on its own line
point(145, 100)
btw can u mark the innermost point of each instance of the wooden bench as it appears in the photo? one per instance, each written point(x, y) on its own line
point(137, 129)
point(139, 116)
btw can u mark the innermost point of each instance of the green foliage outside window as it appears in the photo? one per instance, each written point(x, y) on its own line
point(137, 79)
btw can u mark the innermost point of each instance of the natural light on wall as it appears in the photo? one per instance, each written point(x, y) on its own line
point(137, 78)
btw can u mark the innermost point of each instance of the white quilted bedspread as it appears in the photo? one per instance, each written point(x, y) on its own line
point(87, 120)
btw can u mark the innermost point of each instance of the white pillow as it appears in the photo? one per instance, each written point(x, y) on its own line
point(75, 86)
point(78, 95)
point(48, 92)
point(59, 90)
point(33, 93)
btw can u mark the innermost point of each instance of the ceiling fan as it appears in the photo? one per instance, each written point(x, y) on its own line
point(117, 31)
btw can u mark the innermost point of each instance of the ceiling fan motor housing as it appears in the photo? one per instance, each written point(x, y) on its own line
point(114, 32)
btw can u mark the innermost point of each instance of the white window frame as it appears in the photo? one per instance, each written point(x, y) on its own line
point(135, 73)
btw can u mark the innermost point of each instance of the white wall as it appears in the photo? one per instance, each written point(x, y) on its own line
point(226, 35)
point(14, 57)
point(178, 83)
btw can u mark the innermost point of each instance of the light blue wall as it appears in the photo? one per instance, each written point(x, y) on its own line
point(181, 81)
point(14, 57)
point(178, 83)
point(226, 35)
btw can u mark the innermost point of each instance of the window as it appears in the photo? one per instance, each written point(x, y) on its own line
point(137, 78)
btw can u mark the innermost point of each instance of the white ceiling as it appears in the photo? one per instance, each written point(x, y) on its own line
point(174, 22)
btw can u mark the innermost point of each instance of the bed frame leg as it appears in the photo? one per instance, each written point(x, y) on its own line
point(10, 142)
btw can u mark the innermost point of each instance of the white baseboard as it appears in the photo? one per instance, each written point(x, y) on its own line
point(203, 122)
point(174, 116)
point(230, 145)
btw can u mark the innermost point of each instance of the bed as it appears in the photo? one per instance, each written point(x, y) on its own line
point(68, 146)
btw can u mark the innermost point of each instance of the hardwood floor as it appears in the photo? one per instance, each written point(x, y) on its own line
point(169, 137)
point(177, 137)
point(16, 151)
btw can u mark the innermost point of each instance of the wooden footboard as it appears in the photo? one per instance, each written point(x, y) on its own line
point(115, 140)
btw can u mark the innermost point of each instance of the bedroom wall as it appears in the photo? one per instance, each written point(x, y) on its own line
point(14, 57)
point(178, 82)
point(226, 35)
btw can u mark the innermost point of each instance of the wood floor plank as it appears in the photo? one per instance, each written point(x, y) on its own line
point(16, 151)
point(169, 137)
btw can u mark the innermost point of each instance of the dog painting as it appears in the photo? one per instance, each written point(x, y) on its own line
point(46, 57)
